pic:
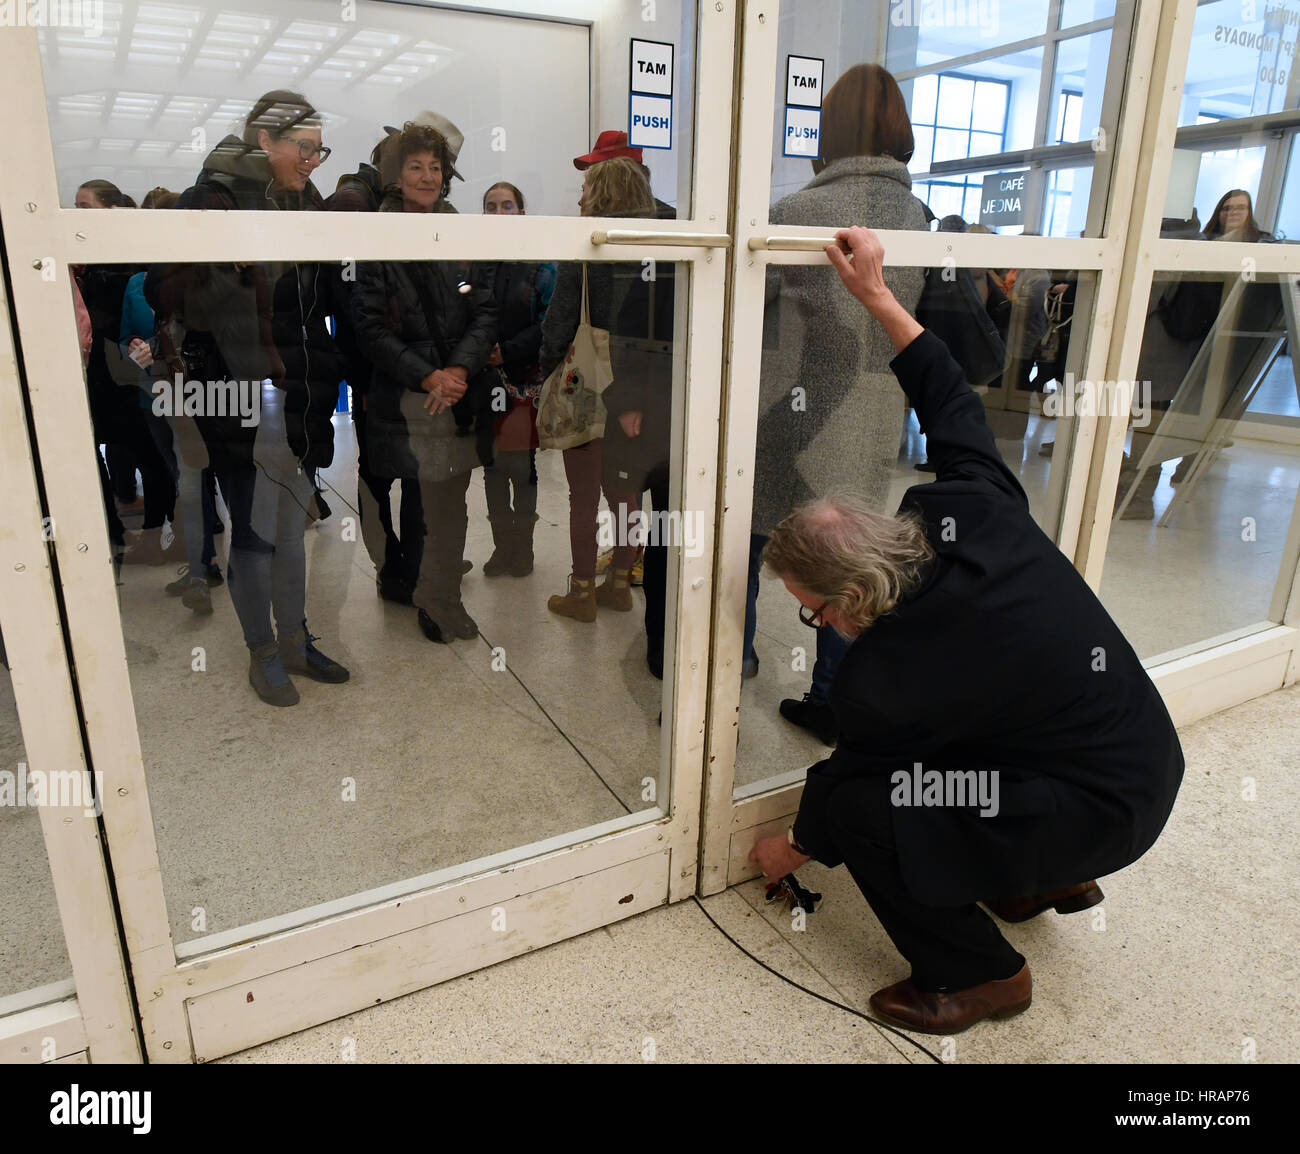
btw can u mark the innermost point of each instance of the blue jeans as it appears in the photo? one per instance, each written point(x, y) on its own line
point(831, 647)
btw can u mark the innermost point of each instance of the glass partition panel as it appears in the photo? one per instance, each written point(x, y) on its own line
point(1207, 493)
point(833, 416)
point(151, 92)
point(32, 950)
point(972, 83)
point(1076, 109)
point(373, 630)
point(1075, 12)
point(1240, 62)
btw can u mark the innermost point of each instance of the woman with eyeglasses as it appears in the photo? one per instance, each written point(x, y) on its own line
point(254, 322)
point(1181, 315)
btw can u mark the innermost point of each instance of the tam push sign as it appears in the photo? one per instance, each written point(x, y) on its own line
point(650, 103)
point(1002, 198)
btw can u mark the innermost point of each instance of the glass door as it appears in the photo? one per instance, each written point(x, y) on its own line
point(984, 154)
point(370, 707)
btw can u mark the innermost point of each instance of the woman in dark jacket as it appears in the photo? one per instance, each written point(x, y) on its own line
point(1180, 317)
point(222, 325)
point(523, 292)
point(119, 423)
point(428, 328)
point(615, 187)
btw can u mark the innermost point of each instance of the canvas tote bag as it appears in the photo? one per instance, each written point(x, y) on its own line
point(570, 411)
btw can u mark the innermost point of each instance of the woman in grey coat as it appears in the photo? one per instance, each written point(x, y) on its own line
point(830, 414)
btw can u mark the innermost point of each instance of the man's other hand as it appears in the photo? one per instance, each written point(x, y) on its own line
point(776, 857)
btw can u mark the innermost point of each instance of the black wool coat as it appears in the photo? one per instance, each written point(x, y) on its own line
point(411, 318)
point(1003, 660)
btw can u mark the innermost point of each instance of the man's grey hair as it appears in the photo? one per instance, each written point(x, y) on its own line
point(857, 560)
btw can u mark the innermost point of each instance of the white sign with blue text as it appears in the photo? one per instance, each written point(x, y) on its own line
point(651, 121)
point(803, 131)
point(650, 102)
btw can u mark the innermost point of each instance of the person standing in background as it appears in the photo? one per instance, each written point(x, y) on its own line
point(523, 293)
point(844, 422)
point(616, 187)
point(225, 313)
point(428, 328)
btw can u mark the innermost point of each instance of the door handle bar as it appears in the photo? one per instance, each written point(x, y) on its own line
point(789, 243)
point(680, 239)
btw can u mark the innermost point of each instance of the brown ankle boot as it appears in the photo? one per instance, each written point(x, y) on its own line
point(616, 592)
point(580, 601)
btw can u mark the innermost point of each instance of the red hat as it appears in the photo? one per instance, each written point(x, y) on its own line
point(608, 145)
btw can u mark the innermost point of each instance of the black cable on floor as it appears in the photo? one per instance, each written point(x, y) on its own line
point(821, 997)
point(556, 726)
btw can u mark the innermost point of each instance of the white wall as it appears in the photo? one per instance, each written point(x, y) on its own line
point(519, 89)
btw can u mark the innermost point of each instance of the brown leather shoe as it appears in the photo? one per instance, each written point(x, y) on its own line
point(952, 1011)
point(1070, 900)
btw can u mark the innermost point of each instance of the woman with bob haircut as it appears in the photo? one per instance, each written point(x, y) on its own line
point(951, 786)
point(848, 430)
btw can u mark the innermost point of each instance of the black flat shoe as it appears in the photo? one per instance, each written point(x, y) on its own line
point(395, 589)
point(815, 716)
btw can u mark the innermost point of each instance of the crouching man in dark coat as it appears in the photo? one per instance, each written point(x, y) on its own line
point(953, 784)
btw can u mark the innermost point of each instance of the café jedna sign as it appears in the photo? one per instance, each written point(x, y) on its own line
point(1002, 198)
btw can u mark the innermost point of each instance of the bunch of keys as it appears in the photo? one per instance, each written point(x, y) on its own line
point(789, 890)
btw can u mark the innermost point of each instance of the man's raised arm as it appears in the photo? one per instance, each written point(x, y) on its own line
point(958, 440)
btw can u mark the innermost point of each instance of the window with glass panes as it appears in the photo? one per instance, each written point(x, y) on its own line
point(1060, 181)
point(954, 117)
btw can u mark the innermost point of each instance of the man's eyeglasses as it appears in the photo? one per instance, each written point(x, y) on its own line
point(308, 151)
point(812, 617)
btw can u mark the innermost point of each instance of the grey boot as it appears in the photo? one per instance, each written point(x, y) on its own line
point(266, 674)
point(1142, 505)
point(521, 562)
point(503, 541)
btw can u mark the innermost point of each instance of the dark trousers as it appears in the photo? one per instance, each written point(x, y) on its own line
point(398, 553)
point(136, 449)
point(445, 521)
point(517, 469)
point(654, 581)
point(116, 530)
point(949, 947)
point(831, 647)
